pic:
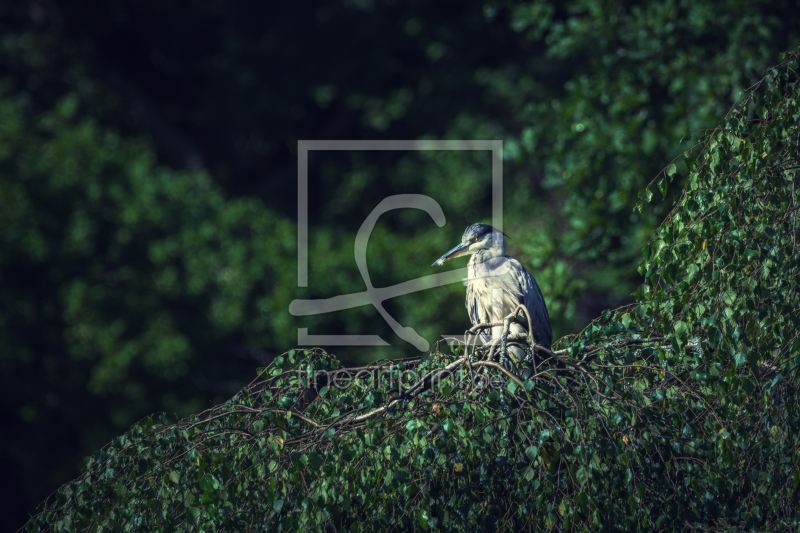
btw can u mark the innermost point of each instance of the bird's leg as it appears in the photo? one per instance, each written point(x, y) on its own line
point(531, 348)
point(513, 355)
point(501, 341)
point(528, 317)
point(504, 336)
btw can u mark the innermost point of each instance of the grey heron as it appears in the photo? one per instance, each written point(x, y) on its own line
point(497, 283)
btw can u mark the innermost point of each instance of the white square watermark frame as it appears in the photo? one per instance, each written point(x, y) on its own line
point(375, 296)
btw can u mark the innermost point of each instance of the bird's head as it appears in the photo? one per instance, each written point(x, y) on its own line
point(477, 237)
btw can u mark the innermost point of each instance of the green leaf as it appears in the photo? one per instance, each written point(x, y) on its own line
point(681, 330)
point(315, 460)
point(401, 476)
point(729, 297)
point(671, 169)
point(300, 460)
point(740, 359)
point(174, 477)
point(532, 452)
point(714, 335)
point(422, 519)
point(210, 483)
point(544, 435)
point(512, 386)
point(582, 475)
point(448, 426)
point(411, 425)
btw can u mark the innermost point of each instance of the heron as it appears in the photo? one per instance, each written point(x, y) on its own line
point(497, 283)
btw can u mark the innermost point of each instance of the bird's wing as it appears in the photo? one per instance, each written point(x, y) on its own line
point(534, 303)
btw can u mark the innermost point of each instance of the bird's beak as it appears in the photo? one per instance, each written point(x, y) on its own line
point(461, 249)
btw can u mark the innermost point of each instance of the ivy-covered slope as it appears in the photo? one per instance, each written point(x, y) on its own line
point(677, 413)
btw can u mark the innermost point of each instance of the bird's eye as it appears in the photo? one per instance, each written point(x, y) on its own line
point(474, 239)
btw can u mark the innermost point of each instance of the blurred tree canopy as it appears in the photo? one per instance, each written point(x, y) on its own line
point(148, 159)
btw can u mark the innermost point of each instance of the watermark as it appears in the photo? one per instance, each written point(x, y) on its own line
point(372, 295)
point(400, 380)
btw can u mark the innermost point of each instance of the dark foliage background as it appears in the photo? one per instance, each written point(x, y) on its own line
point(148, 167)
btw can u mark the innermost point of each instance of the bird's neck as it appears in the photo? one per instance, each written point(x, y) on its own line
point(487, 254)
